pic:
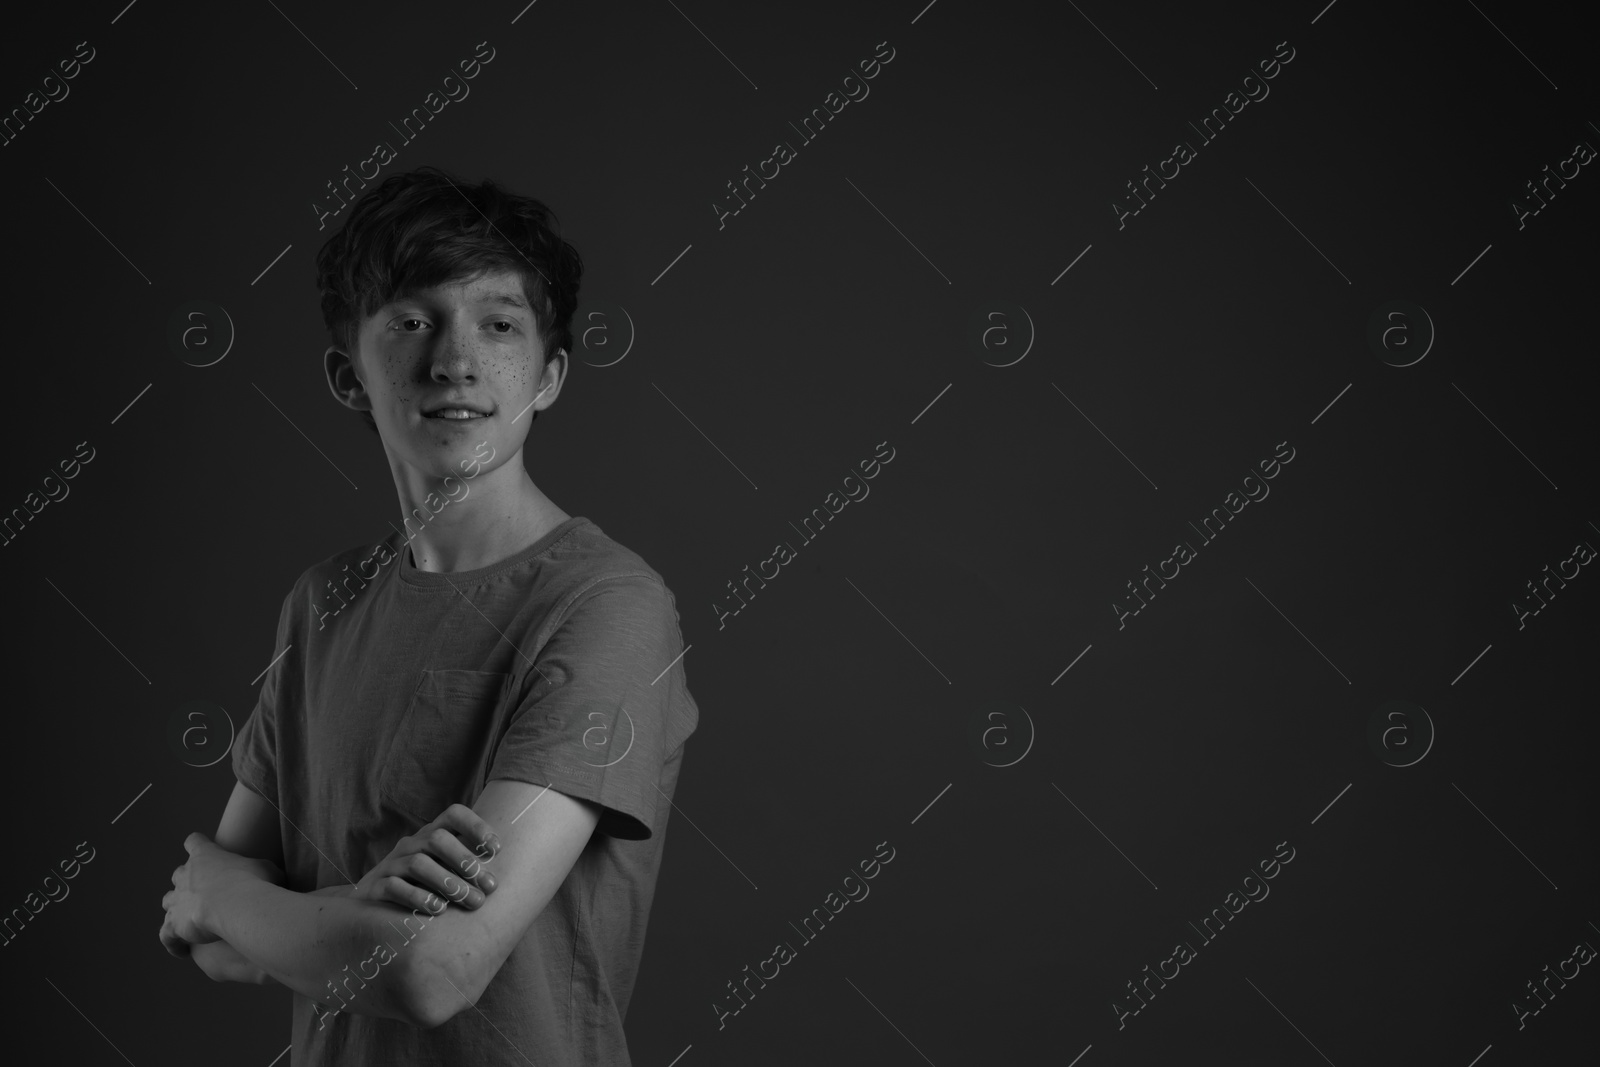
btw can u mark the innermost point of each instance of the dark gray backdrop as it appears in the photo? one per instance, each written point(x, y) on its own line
point(1065, 797)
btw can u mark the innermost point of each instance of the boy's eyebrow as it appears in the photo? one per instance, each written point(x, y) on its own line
point(512, 299)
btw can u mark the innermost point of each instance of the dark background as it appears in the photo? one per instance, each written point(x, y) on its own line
point(1175, 753)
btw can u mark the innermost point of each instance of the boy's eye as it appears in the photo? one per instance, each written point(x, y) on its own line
point(409, 319)
point(510, 326)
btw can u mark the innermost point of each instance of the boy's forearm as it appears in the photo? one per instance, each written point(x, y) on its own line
point(223, 963)
point(322, 945)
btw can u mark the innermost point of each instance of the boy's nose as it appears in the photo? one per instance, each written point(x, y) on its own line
point(454, 362)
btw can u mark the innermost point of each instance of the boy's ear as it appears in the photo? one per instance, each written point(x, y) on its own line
point(561, 362)
point(343, 380)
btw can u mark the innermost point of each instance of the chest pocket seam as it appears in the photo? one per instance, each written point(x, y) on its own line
point(441, 745)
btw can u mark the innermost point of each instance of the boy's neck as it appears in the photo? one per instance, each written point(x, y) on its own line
point(501, 513)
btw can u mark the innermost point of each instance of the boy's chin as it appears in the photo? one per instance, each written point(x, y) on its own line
point(460, 452)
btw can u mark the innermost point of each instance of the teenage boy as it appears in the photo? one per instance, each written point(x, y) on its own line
point(486, 708)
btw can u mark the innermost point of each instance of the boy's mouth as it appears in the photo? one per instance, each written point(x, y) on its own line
point(454, 409)
point(455, 413)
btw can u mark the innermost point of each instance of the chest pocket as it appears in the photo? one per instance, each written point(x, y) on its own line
point(440, 749)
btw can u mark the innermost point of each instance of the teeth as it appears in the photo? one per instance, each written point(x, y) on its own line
point(455, 413)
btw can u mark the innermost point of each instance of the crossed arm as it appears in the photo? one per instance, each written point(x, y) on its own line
point(430, 964)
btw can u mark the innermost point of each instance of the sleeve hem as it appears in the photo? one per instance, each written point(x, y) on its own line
point(253, 778)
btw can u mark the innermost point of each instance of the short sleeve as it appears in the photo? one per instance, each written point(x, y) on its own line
point(601, 712)
point(255, 750)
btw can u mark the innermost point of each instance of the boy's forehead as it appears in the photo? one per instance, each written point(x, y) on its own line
point(492, 287)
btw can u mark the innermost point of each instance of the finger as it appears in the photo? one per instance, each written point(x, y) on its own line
point(423, 870)
point(175, 945)
point(473, 828)
point(446, 847)
point(424, 878)
point(409, 895)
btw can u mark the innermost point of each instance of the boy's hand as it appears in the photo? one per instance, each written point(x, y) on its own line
point(433, 861)
point(194, 883)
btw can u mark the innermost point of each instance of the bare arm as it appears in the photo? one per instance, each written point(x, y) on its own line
point(269, 949)
point(249, 827)
point(223, 963)
point(326, 946)
point(336, 944)
point(461, 951)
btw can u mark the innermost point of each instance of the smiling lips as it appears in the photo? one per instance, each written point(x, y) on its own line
point(455, 408)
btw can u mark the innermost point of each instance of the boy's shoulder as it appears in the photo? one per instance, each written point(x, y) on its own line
point(584, 554)
point(577, 557)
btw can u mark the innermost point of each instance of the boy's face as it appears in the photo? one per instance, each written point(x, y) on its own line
point(425, 358)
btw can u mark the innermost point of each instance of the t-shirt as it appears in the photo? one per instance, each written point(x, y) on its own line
point(400, 692)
